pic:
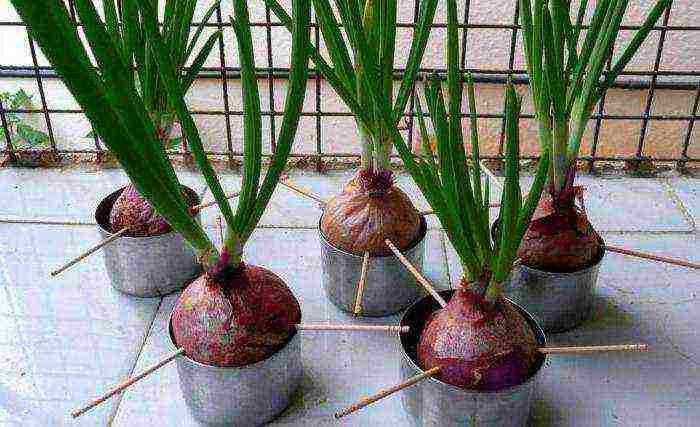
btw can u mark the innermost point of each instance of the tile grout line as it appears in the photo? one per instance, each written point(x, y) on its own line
point(45, 222)
point(678, 202)
point(117, 404)
point(650, 232)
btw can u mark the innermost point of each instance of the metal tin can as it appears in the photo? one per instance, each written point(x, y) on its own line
point(146, 266)
point(389, 287)
point(246, 396)
point(435, 403)
point(559, 301)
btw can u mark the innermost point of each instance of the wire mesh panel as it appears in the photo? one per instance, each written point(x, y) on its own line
point(648, 114)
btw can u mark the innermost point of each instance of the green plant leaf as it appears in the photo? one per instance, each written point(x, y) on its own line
point(296, 91)
point(198, 32)
point(452, 196)
point(198, 62)
point(122, 94)
point(425, 138)
point(511, 195)
point(335, 43)
point(481, 211)
point(370, 30)
point(252, 123)
point(415, 57)
point(253, 199)
point(633, 46)
point(107, 102)
point(168, 74)
point(32, 137)
point(20, 99)
point(565, 93)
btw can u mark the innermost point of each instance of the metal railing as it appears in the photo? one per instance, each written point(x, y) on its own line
point(647, 81)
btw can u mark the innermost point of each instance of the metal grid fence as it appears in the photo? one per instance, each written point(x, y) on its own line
point(648, 81)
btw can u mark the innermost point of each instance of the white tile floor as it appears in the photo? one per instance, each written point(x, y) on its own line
point(64, 340)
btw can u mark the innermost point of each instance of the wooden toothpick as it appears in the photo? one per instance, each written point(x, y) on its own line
point(358, 328)
point(365, 401)
point(128, 382)
point(221, 229)
point(304, 192)
point(490, 175)
point(422, 280)
point(593, 349)
point(651, 257)
point(90, 251)
point(361, 284)
point(194, 209)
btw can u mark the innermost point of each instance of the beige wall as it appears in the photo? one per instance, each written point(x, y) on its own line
point(487, 49)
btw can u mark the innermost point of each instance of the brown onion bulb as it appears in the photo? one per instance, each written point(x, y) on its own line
point(369, 210)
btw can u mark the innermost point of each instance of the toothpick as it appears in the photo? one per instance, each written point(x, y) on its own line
point(422, 280)
point(199, 207)
point(593, 349)
point(365, 401)
point(125, 384)
point(361, 284)
point(194, 209)
point(359, 328)
point(304, 192)
point(90, 251)
point(638, 254)
point(490, 175)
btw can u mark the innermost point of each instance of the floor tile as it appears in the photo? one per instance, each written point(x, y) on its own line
point(636, 301)
point(65, 195)
point(631, 204)
point(63, 340)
